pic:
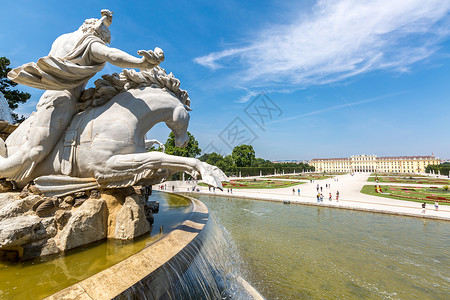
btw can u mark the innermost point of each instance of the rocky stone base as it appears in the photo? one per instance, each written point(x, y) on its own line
point(6, 129)
point(32, 225)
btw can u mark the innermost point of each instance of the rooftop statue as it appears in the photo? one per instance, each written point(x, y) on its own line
point(81, 139)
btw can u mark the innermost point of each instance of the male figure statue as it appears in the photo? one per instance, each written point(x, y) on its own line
point(73, 59)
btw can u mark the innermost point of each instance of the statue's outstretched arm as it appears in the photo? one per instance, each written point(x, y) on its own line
point(149, 59)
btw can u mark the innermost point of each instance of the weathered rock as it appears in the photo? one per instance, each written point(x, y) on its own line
point(17, 231)
point(23, 236)
point(149, 214)
point(18, 207)
point(95, 194)
point(41, 247)
point(24, 193)
point(154, 206)
point(34, 190)
point(6, 186)
point(49, 248)
point(150, 218)
point(69, 200)
point(114, 204)
point(143, 191)
point(37, 204)
point(131, 221)
point(35, 225)
point(79, 201)
point(65, 206)
point(86, 225)
point(79, 194)
point(61, 218)
point(123, 192)
point(48, 228)
point(47, 208)
point(6, 198)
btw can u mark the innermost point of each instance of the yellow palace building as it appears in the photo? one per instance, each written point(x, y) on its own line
point(373, 163)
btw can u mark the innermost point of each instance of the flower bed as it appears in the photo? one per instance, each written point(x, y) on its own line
point(418, 194)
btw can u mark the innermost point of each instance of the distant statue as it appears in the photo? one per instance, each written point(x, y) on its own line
point(73, 59)
point(103, 145)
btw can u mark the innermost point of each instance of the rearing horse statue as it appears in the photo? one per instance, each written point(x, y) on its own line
point(104, 146)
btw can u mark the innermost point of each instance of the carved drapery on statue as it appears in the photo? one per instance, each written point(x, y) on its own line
point(53, 73)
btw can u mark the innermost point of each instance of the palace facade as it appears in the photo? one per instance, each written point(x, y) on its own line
point(373, 163)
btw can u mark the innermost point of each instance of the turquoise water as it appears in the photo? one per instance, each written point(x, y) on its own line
point(305, 252)
point(43, 277)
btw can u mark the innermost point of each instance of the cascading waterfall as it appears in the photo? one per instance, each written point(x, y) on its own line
point(208, 268)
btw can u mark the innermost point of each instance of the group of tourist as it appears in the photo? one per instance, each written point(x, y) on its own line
point(436, 206)
point(330, 197)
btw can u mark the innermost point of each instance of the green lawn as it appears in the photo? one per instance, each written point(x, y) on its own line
point(416, 194)
point(258, 184)
point(409, 179)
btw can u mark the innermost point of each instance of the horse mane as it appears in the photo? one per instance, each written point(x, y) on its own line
point(110, 85)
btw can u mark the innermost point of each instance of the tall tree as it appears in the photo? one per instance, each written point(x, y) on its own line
point(243, 155)
point(191, 150)
point(14, 97)
point(215, 159)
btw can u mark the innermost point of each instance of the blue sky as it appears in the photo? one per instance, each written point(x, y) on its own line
point(299, 80)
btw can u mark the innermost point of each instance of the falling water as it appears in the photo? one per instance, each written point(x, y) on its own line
point(208, 268)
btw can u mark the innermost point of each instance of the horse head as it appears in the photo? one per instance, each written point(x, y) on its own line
point(179, 123)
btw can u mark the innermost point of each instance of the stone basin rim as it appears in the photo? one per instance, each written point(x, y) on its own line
point(119, 279)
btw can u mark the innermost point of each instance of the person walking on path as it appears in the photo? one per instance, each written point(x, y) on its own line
point(337, 196)
point(423, 207)
point(321, 189)
point(318, 197)
point(331, 198)
point(321, 197)
point(436, 205)
point(298, 190)
point(293, 191)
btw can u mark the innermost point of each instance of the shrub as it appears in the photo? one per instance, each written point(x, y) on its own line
point(446, 187)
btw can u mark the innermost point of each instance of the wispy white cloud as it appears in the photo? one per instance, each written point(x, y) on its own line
point(248, 96)
point(341, 39)
point(335, 107)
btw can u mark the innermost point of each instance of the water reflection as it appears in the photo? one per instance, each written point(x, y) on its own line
point(304, 252)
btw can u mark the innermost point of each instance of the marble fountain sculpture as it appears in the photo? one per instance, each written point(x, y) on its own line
point(81, 156)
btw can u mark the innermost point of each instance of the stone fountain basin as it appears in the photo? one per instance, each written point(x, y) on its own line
point(145, 271)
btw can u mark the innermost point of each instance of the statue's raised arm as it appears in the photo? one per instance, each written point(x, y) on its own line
point(73, 59)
